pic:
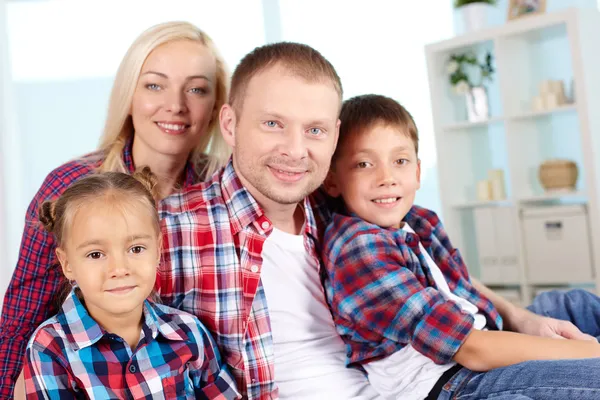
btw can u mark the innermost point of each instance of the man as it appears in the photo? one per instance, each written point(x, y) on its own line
point(241, 249)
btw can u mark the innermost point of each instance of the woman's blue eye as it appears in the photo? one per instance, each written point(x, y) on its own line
point(271, 124)
point(198, 90)
point(152, 86)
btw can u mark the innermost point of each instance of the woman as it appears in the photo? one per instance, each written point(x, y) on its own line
point(163, 113)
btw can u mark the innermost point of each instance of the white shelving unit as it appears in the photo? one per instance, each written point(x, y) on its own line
point(560, 45)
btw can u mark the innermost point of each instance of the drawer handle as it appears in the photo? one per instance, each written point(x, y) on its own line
point(554, 225)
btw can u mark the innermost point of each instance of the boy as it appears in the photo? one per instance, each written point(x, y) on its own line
point(401, 295)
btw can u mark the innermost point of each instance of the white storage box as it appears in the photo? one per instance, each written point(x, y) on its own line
point(496, 245)
point(557, 244)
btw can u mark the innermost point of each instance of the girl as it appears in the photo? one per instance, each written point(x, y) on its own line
point(109, 340)
point(163, 114)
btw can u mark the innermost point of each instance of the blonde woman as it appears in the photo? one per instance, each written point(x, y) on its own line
point(163, 113)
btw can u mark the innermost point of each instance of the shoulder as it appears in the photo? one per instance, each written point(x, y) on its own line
point(182, 321)
point(420, 215)
point(194, 198)
point(49, 337)
point(427, 224)
point(348, 232)
point(60, 178)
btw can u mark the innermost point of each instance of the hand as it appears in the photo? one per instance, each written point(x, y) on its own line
point(536, 325)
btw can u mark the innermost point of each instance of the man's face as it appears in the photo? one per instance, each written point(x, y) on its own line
point(283, 135)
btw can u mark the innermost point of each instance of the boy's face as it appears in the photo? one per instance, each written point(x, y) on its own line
point(377, 174)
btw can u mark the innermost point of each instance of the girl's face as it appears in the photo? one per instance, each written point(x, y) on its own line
point(111, 249)
point(174, 99)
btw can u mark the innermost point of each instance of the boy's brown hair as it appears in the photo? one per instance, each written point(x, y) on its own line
point(363, 112)
point(299, 59)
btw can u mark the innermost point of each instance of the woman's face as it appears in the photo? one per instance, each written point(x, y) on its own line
point(174, 99)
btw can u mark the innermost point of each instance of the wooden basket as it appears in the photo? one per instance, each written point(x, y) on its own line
point(558, 174)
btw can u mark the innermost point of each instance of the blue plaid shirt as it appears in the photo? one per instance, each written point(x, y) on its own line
point(383, 296)
point(71, 356)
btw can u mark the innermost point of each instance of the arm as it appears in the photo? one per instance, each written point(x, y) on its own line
point(28, 299)
point(375, 294)
point(430, 327)
point(509, 312)
point(486, 350)
point(517, 319)
point(45, 377)
point(213, 379)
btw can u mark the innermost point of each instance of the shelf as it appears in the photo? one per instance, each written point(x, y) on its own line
point(518, 27)
point(555, 196)
point(507, 284)
point(486, 203)
point(469, 125)
point(536, 114)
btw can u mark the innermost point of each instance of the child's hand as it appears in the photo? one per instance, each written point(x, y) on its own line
point(536, 325)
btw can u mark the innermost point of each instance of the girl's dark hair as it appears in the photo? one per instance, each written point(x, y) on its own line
point(56, 216)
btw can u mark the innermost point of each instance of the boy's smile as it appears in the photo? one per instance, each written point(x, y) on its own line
point(377, 173)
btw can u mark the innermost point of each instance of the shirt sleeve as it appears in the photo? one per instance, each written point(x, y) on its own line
point(28, 298)
point(213, 380)
point(45, 376)
point(375, 291)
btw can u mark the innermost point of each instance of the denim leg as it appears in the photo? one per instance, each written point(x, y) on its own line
point(536, 380)
point(579, 306)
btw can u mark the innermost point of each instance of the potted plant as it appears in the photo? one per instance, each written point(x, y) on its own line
point(468, 76)
point(474, 12)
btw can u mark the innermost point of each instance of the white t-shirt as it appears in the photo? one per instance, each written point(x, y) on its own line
point(310, 357)
point(408, 374)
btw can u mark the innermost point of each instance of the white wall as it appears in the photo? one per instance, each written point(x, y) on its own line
point(10, 179)
point(3, 255)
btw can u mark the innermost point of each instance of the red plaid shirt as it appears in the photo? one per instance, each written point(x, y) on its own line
point(29, 299)
point(383, 295)
point(213, 239)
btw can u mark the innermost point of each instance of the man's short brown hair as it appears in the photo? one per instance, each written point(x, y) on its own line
point(299, 59)
point(361, 113)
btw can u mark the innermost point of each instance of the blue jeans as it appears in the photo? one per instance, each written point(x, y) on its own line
point(556, 380)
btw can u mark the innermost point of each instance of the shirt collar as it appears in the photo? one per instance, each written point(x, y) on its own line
point(420, 224)
point(83, 331)
point(190, 173)
point(417, 219)
point(244, 210)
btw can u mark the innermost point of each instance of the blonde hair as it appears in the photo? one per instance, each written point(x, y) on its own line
point(301, 60)
point(212, 152)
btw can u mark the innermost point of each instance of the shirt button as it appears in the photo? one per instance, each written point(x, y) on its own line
point(265, 225)
point(132, 369)
point(254, 268)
